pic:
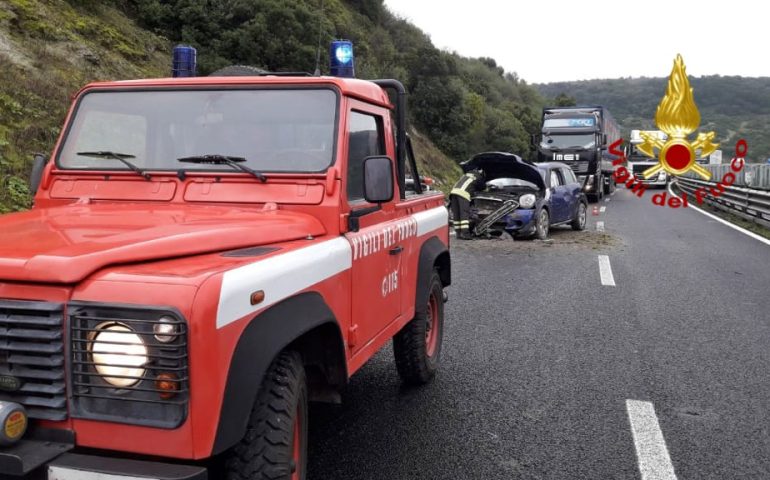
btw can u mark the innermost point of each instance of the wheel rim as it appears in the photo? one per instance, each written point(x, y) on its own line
point(582, 215)
point(543, 223)
point(431, 326)
point(296, 454)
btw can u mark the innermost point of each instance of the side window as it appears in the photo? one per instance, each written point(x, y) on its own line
point(365, 139)
point(569, 176)
point(555, 179)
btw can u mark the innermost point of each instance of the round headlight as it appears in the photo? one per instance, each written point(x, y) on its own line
point(527, 201)
point(165, 330)
point(118, 352)
point(662, 176)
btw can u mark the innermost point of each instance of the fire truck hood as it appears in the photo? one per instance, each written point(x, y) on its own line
point(67, 244)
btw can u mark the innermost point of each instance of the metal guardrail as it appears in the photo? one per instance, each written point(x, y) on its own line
point(756, 176)
point(748, 203)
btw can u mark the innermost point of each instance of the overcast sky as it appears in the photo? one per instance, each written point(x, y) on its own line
point(553, 40)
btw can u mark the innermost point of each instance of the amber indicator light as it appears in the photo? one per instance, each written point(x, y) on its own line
point(257, 297)
point(168, 384)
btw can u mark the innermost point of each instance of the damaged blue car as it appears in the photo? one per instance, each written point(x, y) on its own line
point(524, 199)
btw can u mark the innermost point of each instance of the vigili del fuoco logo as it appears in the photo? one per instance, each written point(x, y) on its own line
point(677, 116)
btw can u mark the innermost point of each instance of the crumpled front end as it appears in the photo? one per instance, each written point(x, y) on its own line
point(520, 221)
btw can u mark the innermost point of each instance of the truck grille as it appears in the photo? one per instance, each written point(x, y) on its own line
point(32, 353)
point(579, 167)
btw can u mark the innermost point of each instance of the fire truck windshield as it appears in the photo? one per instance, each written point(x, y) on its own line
point(286, 130)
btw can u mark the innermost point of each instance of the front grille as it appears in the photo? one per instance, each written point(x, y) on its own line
point(579, 167)
point(142, 402)
point(32, 354)
point(487, 205)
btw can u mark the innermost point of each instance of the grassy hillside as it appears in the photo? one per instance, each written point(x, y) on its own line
point(735, 107)
point(50, 48)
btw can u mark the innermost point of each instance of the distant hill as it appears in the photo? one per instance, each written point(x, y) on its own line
point(50, 48)
point(735, 107)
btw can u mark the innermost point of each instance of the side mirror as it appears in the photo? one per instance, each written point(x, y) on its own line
point(378, 179)
point(38, 165)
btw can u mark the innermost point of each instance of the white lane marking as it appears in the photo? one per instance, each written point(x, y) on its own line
point(720, 220)
point(607, 199)
point(603, 209)
point(280, 277)
point(600, 226)
point(430, 220)
point(605, 271)
point(651, 451)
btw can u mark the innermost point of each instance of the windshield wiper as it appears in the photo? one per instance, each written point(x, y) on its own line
point(215, 159)
point(121, 157)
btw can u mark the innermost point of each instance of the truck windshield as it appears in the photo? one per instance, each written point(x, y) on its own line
point(555, 141)
point(290, 130)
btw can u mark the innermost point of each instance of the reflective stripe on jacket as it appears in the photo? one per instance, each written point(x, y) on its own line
point(463, 186)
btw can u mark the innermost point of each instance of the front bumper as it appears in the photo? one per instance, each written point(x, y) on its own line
point(520, 221)
point(41, 455)
point(88, 467)
point(655, 181)
point(38, 447)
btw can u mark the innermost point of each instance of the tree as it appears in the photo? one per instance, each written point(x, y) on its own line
point(564, 100)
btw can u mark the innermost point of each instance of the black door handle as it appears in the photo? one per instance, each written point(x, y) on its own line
point(396, 250)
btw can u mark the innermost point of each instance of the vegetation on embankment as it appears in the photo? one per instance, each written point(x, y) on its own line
point(49, 48)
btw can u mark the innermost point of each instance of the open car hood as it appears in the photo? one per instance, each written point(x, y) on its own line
point(504, 165)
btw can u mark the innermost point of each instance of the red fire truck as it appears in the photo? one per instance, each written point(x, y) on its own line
point(206, 255)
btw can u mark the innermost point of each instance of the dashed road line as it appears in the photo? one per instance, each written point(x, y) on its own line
point(603, 209)
point(600, 226)
point(651, 451)
point(720, 220)
point(607, 199)
point(605, 271)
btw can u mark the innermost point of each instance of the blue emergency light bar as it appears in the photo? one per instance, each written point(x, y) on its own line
point(184, 62)
point(343, 62)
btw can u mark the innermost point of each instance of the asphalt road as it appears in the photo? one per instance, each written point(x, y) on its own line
point(541, 359)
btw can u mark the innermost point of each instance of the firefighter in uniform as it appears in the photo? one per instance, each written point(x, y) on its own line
point(460, 201)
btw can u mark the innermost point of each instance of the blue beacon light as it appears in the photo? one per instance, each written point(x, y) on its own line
point(185, 59)
point(343, 62)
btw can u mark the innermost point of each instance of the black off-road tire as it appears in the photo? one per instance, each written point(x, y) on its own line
point(581, 217)
point(416, 361)
point(267, 449)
